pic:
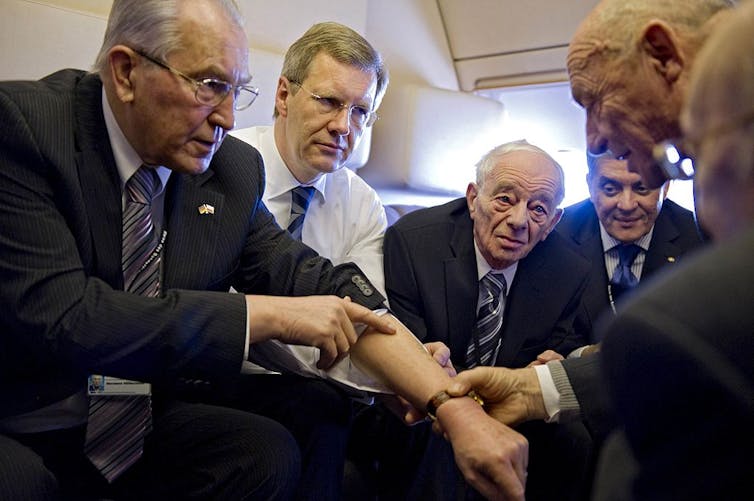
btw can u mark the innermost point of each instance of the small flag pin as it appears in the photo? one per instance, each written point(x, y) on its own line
point(206, 209)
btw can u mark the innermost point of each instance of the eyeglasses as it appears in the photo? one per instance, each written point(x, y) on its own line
point(211, 91)
point(674, 156)
point(359, 116)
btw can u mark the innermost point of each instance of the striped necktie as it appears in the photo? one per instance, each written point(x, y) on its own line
point(300, 198)
point(118, 424)
point(485, 343)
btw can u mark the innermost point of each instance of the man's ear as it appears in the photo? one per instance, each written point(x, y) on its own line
point(121, 64)
point(661, 45)
point(282, 93)
point(472, 190)
point(589, 180)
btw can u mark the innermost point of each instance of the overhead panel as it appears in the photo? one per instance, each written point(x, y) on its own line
point(498, 43)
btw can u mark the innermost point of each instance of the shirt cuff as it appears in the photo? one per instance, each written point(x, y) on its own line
point(568, 404)
point(550, 393)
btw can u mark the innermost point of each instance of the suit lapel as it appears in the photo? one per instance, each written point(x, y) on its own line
point(524, 304)
point(99, 180)
point(193, 232)
point(589, 240)
point(663, 248)
point(461, 289)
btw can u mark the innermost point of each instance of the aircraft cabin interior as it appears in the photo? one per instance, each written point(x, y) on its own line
point(464, 77)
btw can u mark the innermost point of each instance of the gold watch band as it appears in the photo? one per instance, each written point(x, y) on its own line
point(443, 396)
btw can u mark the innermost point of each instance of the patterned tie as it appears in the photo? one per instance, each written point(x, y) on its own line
point(300, 198)
point(118, 424)
point(623, 278)
point(483, 346)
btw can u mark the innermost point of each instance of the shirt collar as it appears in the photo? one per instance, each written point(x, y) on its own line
point(608, 242)
point(483, 267)
point(283, 180)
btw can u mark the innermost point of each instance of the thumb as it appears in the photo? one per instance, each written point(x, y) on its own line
point(461, 384)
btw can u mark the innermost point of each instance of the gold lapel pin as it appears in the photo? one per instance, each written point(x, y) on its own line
point(671, 259)
point(206, 209)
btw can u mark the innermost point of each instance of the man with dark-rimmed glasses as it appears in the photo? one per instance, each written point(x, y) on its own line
point(94, 166)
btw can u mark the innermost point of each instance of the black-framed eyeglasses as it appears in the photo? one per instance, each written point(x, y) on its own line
point(358, 116)
point(676, 156)
point(212, 91)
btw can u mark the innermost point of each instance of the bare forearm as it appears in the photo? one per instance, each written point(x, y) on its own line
point(402, 363)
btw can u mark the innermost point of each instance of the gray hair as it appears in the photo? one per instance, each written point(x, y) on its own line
point(150, 26)
point(492, 158)
point(618, 24)
point(342, 44)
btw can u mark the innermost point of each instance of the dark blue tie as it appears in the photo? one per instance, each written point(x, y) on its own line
point(484, 344)
point(300, 198)
point(623, 276)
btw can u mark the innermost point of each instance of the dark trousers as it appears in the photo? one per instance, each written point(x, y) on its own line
point(317, 413)
point(195, 451)
point(395, 461)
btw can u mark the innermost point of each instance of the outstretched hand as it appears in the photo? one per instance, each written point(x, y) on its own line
point(325, 322)
point(511, 396)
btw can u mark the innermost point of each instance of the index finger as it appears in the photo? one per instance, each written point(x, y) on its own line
point(363, 315)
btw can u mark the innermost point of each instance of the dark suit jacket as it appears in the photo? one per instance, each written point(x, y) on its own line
point(675, 234)
point(679, 366)
point(63, 313)
point(432, 286)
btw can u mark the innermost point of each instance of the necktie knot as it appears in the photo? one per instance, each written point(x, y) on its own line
point(493, 287)
point(142, 185)
point(301, 196)
point(623, 277)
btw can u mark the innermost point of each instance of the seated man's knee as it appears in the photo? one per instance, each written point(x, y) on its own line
point(23, 474)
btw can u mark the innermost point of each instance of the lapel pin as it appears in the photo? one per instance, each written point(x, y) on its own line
point(206, 209)
point(671, 259)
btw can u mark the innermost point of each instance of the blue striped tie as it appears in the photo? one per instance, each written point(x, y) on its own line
point(300, 198)
point(483, 347)
point(118, 424)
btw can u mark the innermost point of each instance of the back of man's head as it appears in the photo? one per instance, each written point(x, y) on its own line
point(718, 121)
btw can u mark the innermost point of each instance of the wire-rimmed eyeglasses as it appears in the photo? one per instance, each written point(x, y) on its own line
point(676, 156)
point(358, 116)
point(212, 91)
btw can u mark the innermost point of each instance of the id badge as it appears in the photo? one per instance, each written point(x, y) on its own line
point(109, 385)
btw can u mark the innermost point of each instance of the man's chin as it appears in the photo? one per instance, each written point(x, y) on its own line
point(191, 166)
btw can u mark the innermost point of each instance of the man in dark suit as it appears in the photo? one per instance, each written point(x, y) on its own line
point(678, 357)
point(434, 260)
point(157, 110)
point(621, 210)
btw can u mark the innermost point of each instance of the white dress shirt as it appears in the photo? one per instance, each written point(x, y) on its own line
point(345, 222)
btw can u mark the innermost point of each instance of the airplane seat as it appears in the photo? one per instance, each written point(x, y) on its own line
point(395, 211)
